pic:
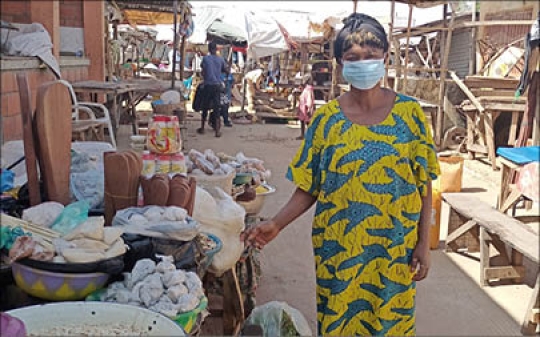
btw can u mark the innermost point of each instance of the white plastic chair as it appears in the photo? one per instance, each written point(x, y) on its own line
point(77, 107)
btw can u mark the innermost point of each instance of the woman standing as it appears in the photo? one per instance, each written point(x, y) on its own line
point(367, 160)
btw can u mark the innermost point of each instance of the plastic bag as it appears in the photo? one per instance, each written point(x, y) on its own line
point(11, 326)
point(230, 252)
point(88, 186)
point(72, 216)
point(187, 254)
point(43, 214)
point(279, 319)
point(214, 207)
point(7, 180)
point(138, 220)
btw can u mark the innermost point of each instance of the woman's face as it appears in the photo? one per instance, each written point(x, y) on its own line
point(361, 53)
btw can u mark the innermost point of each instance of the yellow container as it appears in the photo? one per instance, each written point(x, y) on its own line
point(435, 228)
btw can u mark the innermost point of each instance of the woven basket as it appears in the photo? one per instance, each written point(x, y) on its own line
point(167, 109)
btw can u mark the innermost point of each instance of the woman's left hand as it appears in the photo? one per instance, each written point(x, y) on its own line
point(420, 261)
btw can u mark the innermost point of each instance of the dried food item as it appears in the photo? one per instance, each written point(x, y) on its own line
point(141, 269)
point(76, 255)
point(212, 158)
point(111, 234)
point(170, 293)
point(116, 249)
point(173, 278)
point(177, 291)
point(93, 228)
point(90, 244)
point(40, 253)
point(22, 247)
point(249, 194)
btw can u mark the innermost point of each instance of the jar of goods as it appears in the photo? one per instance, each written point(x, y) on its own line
point(149, 164)
point(174, 125)
point(163, 136)
point(178, 163)
point(163, 164)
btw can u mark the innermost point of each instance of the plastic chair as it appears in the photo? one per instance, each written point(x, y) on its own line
point(77, 107)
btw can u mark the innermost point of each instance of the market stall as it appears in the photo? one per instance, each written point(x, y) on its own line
point(153, 232)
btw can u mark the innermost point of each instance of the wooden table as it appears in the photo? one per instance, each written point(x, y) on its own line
point(130, 92)
point(510, 192)
point(493, 107)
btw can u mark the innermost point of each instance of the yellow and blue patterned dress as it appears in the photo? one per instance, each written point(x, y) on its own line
point(368, 180)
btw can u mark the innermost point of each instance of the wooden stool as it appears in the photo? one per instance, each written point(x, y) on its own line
point(83, 130)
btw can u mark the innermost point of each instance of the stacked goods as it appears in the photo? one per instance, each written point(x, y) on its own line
point(208, 170)
point(88, 242)
point(159, 287)
point(166, 164)
point(164, 143)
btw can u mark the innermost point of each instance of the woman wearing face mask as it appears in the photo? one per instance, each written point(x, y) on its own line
point(367, 160)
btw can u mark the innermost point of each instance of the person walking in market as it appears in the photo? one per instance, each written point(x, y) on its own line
point(212, 67)
point(367, 160)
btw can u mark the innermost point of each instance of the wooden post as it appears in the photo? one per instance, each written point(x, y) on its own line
point(472, 60)
point(182, 57)
point(442, 86)
point(175, 41)
point(390, 34)
point(398, 66)
point(406, 73)
point(355, 5)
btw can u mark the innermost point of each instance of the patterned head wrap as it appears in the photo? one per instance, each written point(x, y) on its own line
point(357, 22)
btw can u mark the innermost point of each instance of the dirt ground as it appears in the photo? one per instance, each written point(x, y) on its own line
point(450, 301)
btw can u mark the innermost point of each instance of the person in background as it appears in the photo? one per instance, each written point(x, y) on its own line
point(367, 160)
point(306, 104)
point(224, 103)
point(170, 57)
point(212, 67)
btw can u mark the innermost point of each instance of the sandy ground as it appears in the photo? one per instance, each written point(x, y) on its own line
point(449, 303)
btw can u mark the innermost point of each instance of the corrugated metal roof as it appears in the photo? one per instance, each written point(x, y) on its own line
point(423, 3)
point(148, 5)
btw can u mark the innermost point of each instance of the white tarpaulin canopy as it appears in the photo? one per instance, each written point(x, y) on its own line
point(264, 36)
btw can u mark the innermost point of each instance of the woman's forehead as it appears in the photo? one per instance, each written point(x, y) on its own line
point(363, 50)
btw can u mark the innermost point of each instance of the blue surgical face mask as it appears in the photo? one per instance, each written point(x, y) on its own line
point(363, 74)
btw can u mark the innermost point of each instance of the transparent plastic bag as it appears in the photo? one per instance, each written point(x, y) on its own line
point(279, 319)
point(88, 186)
point(72, 216)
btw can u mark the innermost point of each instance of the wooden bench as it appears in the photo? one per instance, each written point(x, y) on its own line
point(474, 224)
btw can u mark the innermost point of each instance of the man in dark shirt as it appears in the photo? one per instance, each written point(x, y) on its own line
point(212, 67)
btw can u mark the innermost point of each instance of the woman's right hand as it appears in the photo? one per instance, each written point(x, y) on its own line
point(260, 234)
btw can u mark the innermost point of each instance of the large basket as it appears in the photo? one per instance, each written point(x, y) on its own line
point(225, 182)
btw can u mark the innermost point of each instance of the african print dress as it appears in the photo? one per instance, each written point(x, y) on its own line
point(369, 182)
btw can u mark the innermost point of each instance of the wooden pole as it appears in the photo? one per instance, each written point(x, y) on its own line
point(355, 5)
point(175, 42)
point(391, 32)
point(442, 87)
point(182, 57)
point(406, 73)
point(472, 59)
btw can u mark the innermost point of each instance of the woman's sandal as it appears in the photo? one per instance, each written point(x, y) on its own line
point(200, 131)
